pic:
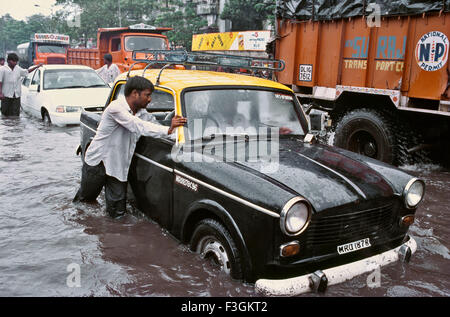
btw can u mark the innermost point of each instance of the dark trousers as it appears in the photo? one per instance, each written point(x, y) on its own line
point(93, 178)
point(11, 106)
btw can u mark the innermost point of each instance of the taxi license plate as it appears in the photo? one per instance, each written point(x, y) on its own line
point(354, 246)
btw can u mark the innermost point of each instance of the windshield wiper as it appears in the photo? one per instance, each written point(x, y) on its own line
point(72, 87)
point(97, 85)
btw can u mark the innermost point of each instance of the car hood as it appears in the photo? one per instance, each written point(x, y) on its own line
point(84, 97)
point(324, 175)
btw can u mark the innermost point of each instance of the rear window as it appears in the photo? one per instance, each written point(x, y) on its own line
point(161, 100)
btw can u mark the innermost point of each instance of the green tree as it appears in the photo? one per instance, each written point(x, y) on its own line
point(99, 14)
point(92, 15)
point(39, 23)
point(183, 20)
point(12, 33)
point(248, 15)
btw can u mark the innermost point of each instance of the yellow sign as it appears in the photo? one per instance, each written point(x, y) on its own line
point(231, 41)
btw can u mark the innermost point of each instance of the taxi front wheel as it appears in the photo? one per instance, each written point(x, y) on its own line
point(46, 118)
point(213, 241)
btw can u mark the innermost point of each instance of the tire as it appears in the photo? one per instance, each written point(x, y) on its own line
point(368, 132)
point(46, 118)
point(407, 138)
point(212, 240)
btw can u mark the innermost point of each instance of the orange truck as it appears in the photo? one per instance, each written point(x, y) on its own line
point(44, 48)
point(376, 73)
point(120, 43)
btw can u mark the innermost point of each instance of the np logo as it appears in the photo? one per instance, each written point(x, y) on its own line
point(432, 51)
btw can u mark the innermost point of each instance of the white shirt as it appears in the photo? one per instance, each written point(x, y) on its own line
point(108, 74)
point(11, 80)
point(117, 135)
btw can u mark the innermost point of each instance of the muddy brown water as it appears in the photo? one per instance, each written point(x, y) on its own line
point(43, 235)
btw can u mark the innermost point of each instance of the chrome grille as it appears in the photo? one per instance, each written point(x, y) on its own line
point(94, 109)
point(341, 228)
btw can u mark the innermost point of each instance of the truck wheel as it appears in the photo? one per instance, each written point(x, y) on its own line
point(213, 241)
point(367, 132)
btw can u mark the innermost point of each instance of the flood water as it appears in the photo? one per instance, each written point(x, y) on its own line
point(45, 238)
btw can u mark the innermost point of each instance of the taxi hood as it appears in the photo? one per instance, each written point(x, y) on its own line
point(84, 97)
point(329, 177)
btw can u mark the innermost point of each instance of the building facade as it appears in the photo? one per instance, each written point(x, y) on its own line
point(211, 10)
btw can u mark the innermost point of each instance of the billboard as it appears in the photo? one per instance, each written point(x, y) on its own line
point(231, 41)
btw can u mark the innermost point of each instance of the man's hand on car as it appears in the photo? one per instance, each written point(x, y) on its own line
point(177, 121)
point(284, 130)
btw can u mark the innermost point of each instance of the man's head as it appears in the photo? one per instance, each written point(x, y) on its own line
point(108, 59)
point(2, 61)
point(138, 91)
point(12, 60)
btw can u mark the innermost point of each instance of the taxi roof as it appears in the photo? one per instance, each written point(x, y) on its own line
point(181, 79)
point(64, 66)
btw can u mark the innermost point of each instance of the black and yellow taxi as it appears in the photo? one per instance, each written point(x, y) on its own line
point(244, 183)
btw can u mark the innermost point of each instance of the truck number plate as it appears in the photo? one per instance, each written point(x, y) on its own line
point(354, 246)
point(305, 72)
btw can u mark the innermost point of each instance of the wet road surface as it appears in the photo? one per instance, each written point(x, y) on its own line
point(45, 238)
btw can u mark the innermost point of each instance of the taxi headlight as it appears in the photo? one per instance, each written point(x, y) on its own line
point(62, 109)
point(414, 192)
point(295, 216)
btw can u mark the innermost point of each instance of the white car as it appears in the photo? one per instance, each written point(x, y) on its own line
point(58, 93)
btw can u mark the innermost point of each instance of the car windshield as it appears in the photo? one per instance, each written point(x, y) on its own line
point(144, 42)
point(72, 78)
point(240, 111)
point(46, 48)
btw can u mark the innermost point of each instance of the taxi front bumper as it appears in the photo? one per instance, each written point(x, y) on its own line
point(65, 118)
point(335, 275)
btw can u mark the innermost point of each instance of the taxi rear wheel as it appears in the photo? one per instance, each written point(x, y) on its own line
point(213, 241)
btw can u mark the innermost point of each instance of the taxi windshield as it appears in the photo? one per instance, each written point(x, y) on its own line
point(72, 78)
point(240, 111)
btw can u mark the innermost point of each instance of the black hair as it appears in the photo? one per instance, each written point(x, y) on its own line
point(138, 83)
point(2, 58)
point(108, 57)
point(13, 57)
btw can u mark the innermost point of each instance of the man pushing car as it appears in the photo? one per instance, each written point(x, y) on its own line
point(108, 158)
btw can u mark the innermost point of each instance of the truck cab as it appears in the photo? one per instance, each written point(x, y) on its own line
point(120, 43)
point(44, 48)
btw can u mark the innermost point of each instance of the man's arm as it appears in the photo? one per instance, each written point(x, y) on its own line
point(116, 70)
point(34, 67)
point(135, 124)
point(141, 127)
point(99, 70)
point(177, 121)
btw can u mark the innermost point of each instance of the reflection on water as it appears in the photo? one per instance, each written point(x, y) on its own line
point(42, 233)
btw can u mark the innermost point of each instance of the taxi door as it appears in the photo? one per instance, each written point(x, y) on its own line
point(151, 171)
point(32, 94)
